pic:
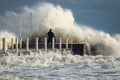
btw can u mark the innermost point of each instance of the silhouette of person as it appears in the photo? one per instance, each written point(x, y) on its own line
point(50, 36)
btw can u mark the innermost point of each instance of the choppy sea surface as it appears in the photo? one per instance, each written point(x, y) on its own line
point(52, 65)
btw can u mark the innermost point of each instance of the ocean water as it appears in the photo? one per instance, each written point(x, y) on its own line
point(53, 65)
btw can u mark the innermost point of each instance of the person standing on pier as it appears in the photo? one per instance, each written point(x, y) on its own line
point(50, 36)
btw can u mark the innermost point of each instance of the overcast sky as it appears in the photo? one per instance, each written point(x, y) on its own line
point(99, 14)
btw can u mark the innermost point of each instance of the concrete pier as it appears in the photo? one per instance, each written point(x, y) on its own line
point(76, 48)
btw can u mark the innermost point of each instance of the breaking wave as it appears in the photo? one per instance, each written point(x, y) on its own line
point(47, 15)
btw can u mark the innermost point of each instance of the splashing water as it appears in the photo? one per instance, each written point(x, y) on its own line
point(47, 15)
point(55, 66)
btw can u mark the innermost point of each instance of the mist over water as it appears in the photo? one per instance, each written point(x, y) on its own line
point(46, 16)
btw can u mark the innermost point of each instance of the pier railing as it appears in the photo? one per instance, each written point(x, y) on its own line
point(17, 44)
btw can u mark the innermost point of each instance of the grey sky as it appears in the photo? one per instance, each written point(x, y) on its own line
point(99, 14)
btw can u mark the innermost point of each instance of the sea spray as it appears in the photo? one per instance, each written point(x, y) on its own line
point(47, 15)
point(56, 66)
point(8, 35)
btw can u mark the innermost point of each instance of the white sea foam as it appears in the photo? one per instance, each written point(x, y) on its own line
point(47, 15)
point(55, 66)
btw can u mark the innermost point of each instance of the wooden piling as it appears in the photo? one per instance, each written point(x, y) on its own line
point(4, 45)
point(53, 44)
point(20, 43)
point(37, 44)
point(27, 44)
point(60, 44)
point(12, 44)
point(67, 43)
point(45, 42)
point(16, 42)
point(1, 44)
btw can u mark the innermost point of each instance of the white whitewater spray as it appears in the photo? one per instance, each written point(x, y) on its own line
point(8, 35)
point(46, 16)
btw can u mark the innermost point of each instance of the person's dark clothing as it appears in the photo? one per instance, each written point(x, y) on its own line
point(50, 36)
